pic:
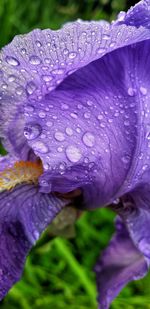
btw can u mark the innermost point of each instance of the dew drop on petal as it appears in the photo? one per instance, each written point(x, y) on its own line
point(12, 61)
point(59, 136)
point(148, 132)
point(49, 123)
point(78, 130)
point(126, 123)
point(19, 90)
point(89, 103)
point(32, 131)
point(29, 109)
point(30, 87)
point(58, 71)
point(59, 149)
point(125, 159)
point(143, 90)
point(87, 115)
point(73, 153)
point(69, 131)
point(72, 55)
point(64, 106)
point(88, 139)
point(100, 117)
point(101, 50)
point(40, 147)
point(73, 115)
point(35, 60)
point(42, 115)
point(11, 78)
point(47, 78)
point(38, 43)
point(65, 51)
point(131, 92)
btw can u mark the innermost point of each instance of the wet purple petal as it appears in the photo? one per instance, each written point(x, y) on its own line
point(93, 142)
point(119, 264)
point(24, 214)
point(138, 15)
point(135, 212)
point(34, 64)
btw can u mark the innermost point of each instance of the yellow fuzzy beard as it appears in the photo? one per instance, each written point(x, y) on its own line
point(21, 172)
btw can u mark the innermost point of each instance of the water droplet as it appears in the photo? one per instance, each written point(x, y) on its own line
point(62, 166)
point(30, 87)
point(32, 131)
point(148, 132)
point(143, 90)
point(57, 71)
point(101, 50)
point(86, 160)
point(49, 123)
point(12, 61)
point(78, 130)
point(69, 131)
point(42, 114)
point(11, 78)
point(79, 106)
point(87, 115)
point(100, 117)
point(36, 234)
point(89, 139)
point(59, 149)
point(121, 16)
point(106, 36)
point(126, 123)
point(47, 60)
point(131, 92)
point(23, 50)
point(64, 106)
point(72, 55)
point(40, 147)
point(89, 103)
point(102, 125)
point(73, 153)
point(38, 43)
point(35, 60)
point(59, 136)
point(19, 90)
point(73, 115)
point(112, 44)
point(65, 51)
point(47, 78)
point(125, 159)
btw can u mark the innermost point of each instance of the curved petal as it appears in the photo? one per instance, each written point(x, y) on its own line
point(34, 64)
point(90, 131)
point(119, 264)
point(135, 212)
point(11, 129)
point(24, 214)
point(138, 15)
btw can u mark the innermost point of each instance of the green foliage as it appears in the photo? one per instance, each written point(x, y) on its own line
point(58, 272)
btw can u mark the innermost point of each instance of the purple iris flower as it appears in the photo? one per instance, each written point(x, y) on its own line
point(75, 115)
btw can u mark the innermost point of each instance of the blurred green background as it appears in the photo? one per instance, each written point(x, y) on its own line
point(58, 272)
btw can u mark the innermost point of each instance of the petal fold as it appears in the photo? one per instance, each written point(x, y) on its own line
point(24, 214)
point(119, 264)
point(135, 212)
point(138, 15)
